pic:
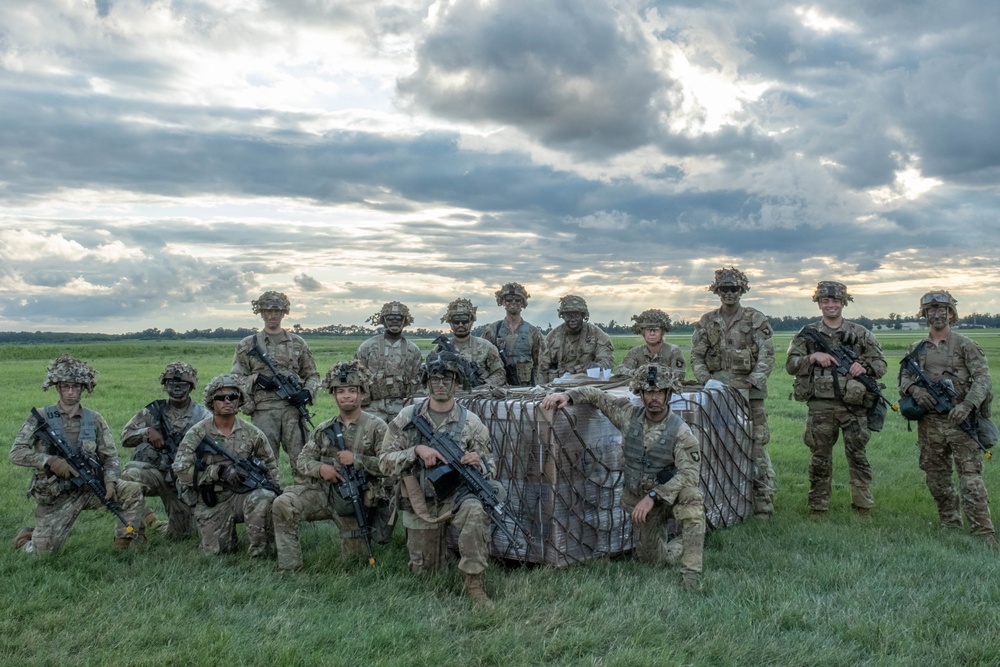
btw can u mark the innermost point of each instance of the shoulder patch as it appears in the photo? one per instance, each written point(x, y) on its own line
point(696, 456)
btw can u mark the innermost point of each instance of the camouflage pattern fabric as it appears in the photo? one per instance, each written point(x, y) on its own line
point(485, 354)
point(573, 354)
point(524, 347)
point(668, 355)
point(396, 370)
point(679, 497)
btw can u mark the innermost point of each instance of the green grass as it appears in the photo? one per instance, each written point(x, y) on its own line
point(787, 592)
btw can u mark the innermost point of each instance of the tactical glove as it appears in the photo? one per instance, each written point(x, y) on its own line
point(266, 382)
point(230, 476)
point(60, 468)
point(109, 490)
point(302, 397)
point(922, 397)
point(960, 412)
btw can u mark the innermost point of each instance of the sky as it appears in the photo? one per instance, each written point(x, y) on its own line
point(163, 163)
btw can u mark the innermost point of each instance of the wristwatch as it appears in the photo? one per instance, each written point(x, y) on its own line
point(652, 494)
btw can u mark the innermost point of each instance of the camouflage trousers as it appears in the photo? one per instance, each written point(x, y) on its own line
point(53, 521)
point(822, 427)
point(763, 473)
point(313, 503)
point(152, 480)
point(283, 428)
point(940, 443)
point(652, 541)
point(217, 525)
point(427, 545)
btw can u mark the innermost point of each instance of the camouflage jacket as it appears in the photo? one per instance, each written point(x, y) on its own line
point(486, 358)
point(179, 420)
point(668, 355)
point(246, 440)
point(396, 367)
point(363, 437)
point(291, 357)
point(814, 383)
point(959, 359)
point(573, 354)
point(740, 354)
point(523, 347)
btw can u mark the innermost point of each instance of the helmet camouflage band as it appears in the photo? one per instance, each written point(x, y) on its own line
point(939, 298)
point(271, 301)
point(833, 290)
point(517, 289)
point(460, 307)
point(67, 369)
point(572, 303)
point(348, 374)
point(653, 377)
point(179, 370)
point(651, 318)
point(220, 382)
point(392, 308)
point(730, 276)
point(439, 363)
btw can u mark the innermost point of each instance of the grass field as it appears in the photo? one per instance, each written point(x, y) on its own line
point(791, 591)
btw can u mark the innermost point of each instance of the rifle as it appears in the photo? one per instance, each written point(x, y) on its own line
point(254, 471)
point(943, 392)
point(352, 488)
point(472, 478)
point(508, 368)
point(88, 469)
point(471, 368)
point(171, 438)
point(289, 388)
point(845, 357)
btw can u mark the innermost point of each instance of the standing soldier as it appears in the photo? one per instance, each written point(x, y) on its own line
point(662, 468)
point(212, 467)
point(733, 344)
point(406, 454)
point(836, 404)
point(483, 357)
point(352, 438)
point(283, 420)
point(576, 345)
point(947, 357)
point(58, 499)
point(393, 360)
point(651, 325)
point(521, 344)
point(155, 434)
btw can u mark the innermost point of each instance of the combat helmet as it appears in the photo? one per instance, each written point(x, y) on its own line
point(179, 370)
point(220, 381)
point(653, 377)
point(833, 290)
point(936, 298)
point(460, 307)
point(572, 303)
point(348, 374)
point(651, 318)
point(516, 289)
point(730, 276)
point(271, 301)
point(392, 308)
point(439, 363)
point(68, 369)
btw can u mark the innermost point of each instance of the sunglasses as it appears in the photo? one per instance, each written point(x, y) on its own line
point(226, 397)
point(729, 290)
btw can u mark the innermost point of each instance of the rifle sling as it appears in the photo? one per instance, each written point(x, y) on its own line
point(419, 504)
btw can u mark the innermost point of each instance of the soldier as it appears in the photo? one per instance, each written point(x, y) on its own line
point(576, 345)
point(405, 454)
point(155, 433)
point(483, 357)
point(281, 419)
point(521, 345)
point(662, 468)
point(215, 486)
point(651, 325)
point(352, 438)
point(836, 404)
point(393, 360)
point(947, 356)
point(733, 344)
point(58, 502)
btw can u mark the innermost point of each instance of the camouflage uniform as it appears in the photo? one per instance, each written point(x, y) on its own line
point(424, 539)
point(668, 355)
point(486, 358)
point(316, 501)
point(523, 347)
point(150, 468)
point(57, 505)
point(739, 351)
point(941, 441)
point(681, 496)
point(832, 410)
point(567, 353)
point(396, 367)
point(277, 418)
point(217, 524)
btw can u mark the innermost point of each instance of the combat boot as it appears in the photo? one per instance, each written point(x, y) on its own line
point(991, 541)
point(691, 581)
point(474, 588)
point(23, 538)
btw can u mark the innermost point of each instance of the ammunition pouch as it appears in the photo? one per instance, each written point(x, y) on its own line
point(876, 416)
point(341, 506)
point(910, 409)
point(440, 481)
point(713, 361)
point(802, 388)
point(822, 385)
point(854, 393)
point(741, 361)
